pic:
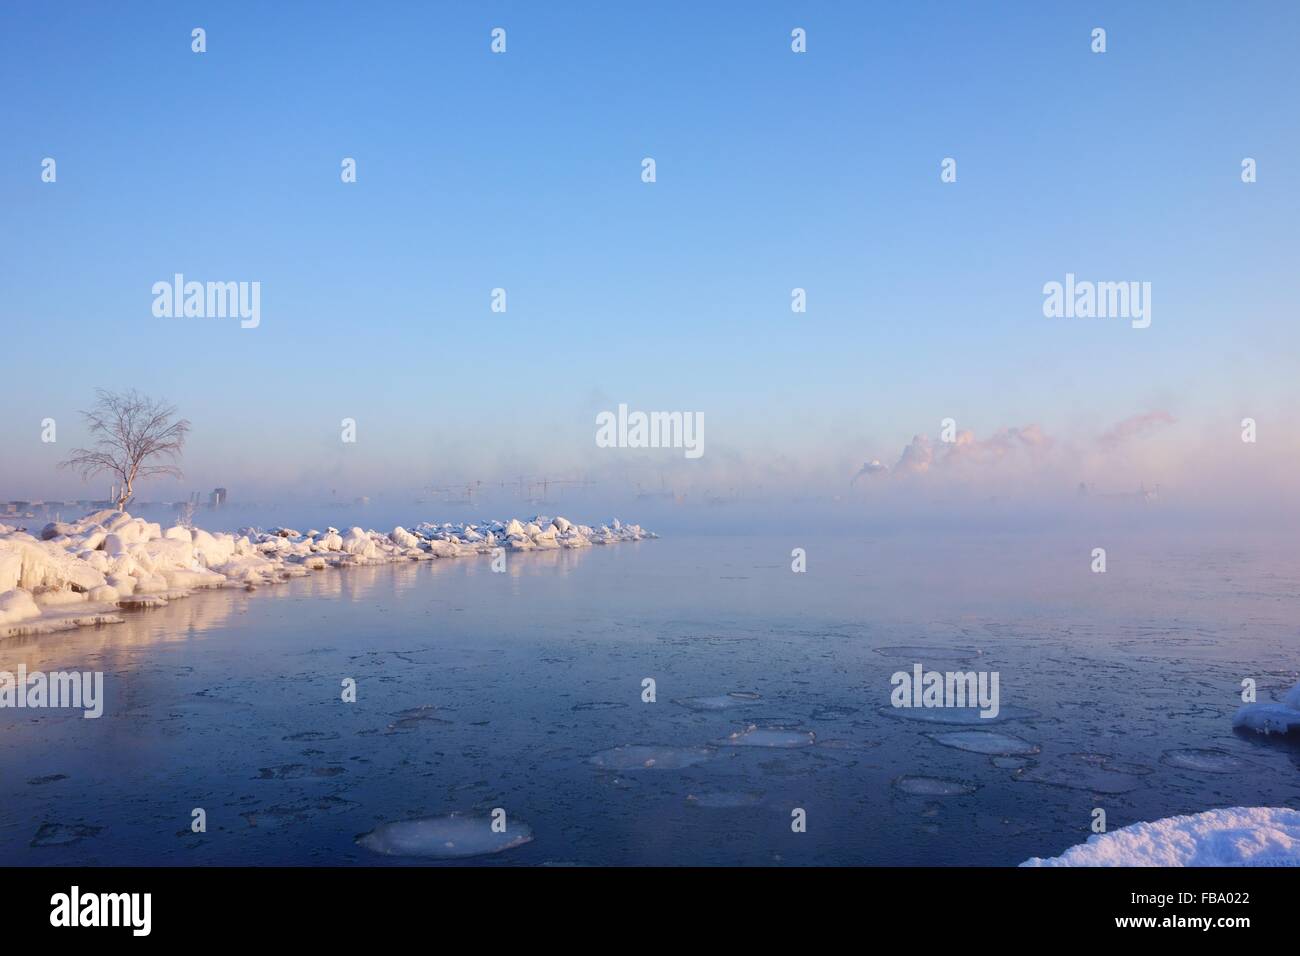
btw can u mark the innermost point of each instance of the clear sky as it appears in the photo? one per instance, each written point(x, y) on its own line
point(775, 170)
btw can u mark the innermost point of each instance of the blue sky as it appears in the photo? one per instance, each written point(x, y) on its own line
point(522, 171)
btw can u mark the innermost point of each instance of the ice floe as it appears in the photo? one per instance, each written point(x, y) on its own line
point(921, 652)
point(1092, 773)
point(650, 757)
point(783, 737)
point(444, 838)
point(414, 718)
point(985, 742)
point(959, 715)
point(1271, 718)
point(600, 705)
point(933, 786)
point(833, 712)
point(63, 834)
point(720, 702)
point(295, 813)
point(1009, 763)
point(82, 572)
point(1204, 761)
point(725, 799)
point(297, 771)
point(1237, 836)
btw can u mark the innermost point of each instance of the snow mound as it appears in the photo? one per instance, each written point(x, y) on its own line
point(1283, 718)
point(1237, 836)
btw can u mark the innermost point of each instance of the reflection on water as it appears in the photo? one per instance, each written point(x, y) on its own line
point(181, 619)
point(523, 690)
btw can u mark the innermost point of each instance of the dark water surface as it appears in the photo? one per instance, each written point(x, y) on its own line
point(479, 690)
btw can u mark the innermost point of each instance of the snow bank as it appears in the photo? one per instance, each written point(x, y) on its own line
point(1271, 718)
point(81, 572)
point(1238, 836)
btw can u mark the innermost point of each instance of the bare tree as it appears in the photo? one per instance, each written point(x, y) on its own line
point(130, 430)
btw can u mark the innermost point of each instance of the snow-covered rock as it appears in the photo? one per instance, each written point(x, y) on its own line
point(209, 550)
point(358, 542)
point(1268, 718)
point(400, 536)
point(78, 572)
point(1237, 836)
point(58, 598)
point(42, 565)
point(104, 594)
point(17, 605)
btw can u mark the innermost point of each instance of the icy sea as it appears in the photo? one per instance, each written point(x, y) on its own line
point(523, 691)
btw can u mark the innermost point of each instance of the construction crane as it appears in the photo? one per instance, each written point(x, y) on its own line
point(536, 491)
point(466, 491)
point(544, 484)
point(663, 492)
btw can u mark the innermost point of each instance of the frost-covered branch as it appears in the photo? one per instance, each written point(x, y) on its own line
point(130, 429)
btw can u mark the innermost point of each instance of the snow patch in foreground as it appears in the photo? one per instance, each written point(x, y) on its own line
point(1237, 836)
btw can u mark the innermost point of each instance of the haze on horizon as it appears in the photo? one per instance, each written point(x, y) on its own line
point(774, 172)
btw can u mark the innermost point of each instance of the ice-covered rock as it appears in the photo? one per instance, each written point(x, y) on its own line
point(329, 540)
point(123, 584)
point(403, 538)
point(57, 529)
point(1264, 718)
point(11, 569)
point(210, 550)
point(104, 594)
point(58, 598)
point(77, 571)
point(43, 565)
point(444, 549)
point(358, 542)
point(17, 605)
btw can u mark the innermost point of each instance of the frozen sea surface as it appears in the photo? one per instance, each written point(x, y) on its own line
point(524, 691)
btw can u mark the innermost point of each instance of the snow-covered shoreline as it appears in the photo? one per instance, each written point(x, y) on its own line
point(83, 572)
point(1236, 836)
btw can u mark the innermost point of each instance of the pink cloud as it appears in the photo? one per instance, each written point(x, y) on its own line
point(1134, 427)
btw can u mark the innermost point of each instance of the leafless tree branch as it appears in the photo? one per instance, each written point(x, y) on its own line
point(129, 430)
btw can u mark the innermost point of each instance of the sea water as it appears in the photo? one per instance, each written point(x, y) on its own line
point(521, 698)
